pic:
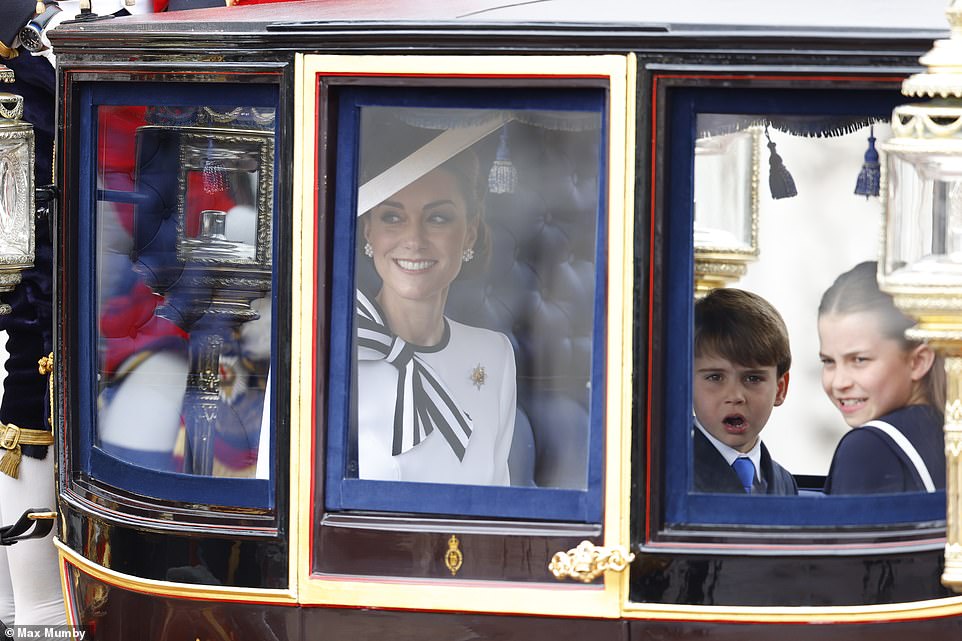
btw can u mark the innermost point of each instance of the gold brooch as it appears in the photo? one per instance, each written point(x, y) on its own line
point(478, 377)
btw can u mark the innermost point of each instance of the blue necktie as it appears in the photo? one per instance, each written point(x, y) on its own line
point(745, 470)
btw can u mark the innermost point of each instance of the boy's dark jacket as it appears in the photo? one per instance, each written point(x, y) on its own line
point(714, 474)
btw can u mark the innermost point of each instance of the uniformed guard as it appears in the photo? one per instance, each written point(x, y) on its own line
point(30, 591)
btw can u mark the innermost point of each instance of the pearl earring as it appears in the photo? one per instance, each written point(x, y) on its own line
point(467, 255)
point(368, 250)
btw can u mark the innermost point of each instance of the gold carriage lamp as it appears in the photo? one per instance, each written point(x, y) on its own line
point(16, 190)
point(921, 263)
point(726, 207)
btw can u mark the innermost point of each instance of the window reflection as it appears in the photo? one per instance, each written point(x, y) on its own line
point(185, 203)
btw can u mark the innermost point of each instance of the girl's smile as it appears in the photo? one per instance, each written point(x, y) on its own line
point(864, 373)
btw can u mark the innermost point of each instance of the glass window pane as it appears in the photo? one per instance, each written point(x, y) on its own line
point(473, 228)
point(183, 215)
point(459, 230)
point(752, 192)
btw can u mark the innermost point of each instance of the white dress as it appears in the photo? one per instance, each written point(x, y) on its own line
point(477, 367)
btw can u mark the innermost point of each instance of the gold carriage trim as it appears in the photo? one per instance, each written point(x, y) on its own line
point(588, 561)
point(11, 438)
point(453, 558)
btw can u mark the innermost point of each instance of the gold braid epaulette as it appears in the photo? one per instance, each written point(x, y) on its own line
point(13, 436)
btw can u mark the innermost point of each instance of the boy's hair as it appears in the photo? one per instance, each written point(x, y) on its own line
point(743, 328)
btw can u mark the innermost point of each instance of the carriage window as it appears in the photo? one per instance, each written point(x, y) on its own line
point(183, 313)
point(466, 303)
point(779, 202)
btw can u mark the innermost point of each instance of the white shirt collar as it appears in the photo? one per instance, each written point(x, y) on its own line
point(730, 453)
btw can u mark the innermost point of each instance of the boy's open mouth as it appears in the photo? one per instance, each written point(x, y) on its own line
point(734, 424)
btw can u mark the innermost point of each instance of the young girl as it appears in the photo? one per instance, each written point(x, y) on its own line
point(891, 389)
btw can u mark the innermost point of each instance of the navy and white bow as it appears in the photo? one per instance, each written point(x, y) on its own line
point(422, 401)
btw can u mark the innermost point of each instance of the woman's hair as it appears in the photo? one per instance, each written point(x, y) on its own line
point(466, 170)
point(857, 290)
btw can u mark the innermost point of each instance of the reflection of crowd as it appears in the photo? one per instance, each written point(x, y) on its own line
point(145, 329)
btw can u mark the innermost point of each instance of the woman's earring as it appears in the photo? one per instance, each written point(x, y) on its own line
point(467, 255)
point(368, 250)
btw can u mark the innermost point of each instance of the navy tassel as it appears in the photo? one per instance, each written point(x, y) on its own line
point(780, 181)
point(503, 177)
point(871, 174)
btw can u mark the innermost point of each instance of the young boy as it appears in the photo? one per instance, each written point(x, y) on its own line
point(741, 366)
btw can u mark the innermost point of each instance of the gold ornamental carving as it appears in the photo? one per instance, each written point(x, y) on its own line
point(940, 79)
point(953, 445)
point(928, 301)
point(926, 286)
point(953, 399)
point(453, 558)
point(589, 561)
point(952, 572)
point(714, 273)
point(720, 270)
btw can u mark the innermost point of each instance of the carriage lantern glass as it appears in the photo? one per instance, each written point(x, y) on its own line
point(16, 190)
point(921, 262)
point(726, 204)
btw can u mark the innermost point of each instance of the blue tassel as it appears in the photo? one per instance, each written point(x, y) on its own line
point(780, 181)
point(503, 177)
point(871, 174)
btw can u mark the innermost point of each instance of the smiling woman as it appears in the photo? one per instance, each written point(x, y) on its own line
point(453, 415)
point(418, 239)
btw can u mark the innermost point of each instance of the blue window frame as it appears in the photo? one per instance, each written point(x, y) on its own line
point(133, 470)
point(522, 125)
point(683, 507)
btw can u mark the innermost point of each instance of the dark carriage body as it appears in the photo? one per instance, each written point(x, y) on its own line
point(304, 552)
